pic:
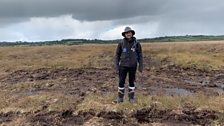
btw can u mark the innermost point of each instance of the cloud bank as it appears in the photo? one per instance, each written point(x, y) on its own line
point(32, 20)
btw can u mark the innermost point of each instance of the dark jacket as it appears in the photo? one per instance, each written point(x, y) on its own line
point(128, 54)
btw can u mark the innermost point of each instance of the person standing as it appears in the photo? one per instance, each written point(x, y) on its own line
point(128, 58)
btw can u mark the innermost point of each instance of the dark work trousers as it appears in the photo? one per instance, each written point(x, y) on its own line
point(123, 71)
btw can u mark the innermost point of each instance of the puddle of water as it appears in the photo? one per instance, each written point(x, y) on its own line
point(219, 76)
point(178, 91)
point(218, 90)
point(170, 91)
point(205, 83)
point(26, 93)
point(191, 82)
point(220, 84)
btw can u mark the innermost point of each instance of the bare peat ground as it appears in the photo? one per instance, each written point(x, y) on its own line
point(170, 80)
point(57, 85)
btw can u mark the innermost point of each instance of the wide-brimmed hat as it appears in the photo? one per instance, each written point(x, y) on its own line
point(128, 29)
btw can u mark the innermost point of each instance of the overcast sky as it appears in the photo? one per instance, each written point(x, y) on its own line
point(38, 20)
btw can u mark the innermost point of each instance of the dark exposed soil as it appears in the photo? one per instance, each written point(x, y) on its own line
point(143, 116)
point(169, 80)
point(188, 116)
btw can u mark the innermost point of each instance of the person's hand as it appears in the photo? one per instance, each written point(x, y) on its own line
point(117, 71)
point(140, 69)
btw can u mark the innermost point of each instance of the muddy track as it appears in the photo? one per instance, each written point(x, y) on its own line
point(70, 81)
point(191, 80)
point(186, 116)
point(142, 116)
point(47, 74)
point(170, 80)
point(173, 80)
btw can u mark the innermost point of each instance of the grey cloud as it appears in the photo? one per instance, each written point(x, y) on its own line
point(81, 9)
point(94, 10)
point(172, 16)
point(9, 21)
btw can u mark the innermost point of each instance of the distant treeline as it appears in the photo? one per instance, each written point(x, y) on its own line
point(97, 41)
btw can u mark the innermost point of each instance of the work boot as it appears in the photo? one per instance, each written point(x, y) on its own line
point(120, 97)
point(131, 94)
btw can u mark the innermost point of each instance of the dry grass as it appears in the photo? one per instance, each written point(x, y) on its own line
point(53, 100)
point(13, 58)
point(202, 55)
point(199, 101)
